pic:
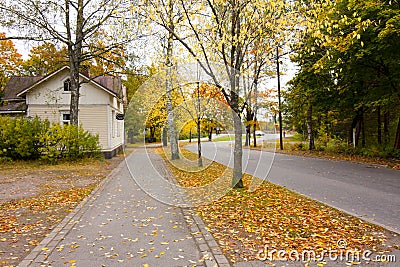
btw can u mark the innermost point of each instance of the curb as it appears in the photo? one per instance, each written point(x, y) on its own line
point(50, 242)
point(212, 253)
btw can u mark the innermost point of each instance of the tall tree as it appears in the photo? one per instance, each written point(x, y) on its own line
point(69, 22)
point(155, 13)
point(223, 31)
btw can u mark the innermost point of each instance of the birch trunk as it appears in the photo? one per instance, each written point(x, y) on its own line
point(168, 88)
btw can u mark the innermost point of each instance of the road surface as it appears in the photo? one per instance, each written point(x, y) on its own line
point(367, 191)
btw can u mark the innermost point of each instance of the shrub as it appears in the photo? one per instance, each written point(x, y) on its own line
point(22, 138)
point(339, 146)
point(299, 146)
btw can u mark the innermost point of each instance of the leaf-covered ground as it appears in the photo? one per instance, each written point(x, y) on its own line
point(35, 197)
point(245, 222)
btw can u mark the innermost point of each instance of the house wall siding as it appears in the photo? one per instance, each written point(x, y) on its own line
point(93, 118)
point(97, 109)
point(49, 112)
point(116, 128)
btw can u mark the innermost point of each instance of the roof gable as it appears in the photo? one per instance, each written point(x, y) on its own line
point(101, 82)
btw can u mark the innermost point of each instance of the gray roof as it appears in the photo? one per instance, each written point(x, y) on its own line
point(113, 83)
point(10, 107)
point(11, 103)
point(17, 84)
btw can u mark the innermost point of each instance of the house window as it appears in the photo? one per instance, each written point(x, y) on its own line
point(65, 118)
point(67, 85)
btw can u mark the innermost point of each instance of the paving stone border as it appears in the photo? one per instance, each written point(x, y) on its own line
point(210, 249)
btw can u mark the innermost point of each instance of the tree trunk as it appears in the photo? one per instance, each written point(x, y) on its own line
point(357, 134)
point(210, 134)
point(152, 134)
point(255, 109)
point(357, 125)
point(310, 128)
point(165, 136)
point(279, 99)
point(75, 58)
point(386, 127)
point(248, 133)
point(199, 159)
point(379, 125)
point(254, 131)
point(237, 181)
point(170, 116)
point(74, 104)
point(249, 118)
point(397, 141)
point(362, 125)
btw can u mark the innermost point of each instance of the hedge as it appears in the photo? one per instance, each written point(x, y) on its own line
point(25, 139)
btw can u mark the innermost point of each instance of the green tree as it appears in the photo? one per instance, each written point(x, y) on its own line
point(44, 59)
point(75, 26)
point(352, 46)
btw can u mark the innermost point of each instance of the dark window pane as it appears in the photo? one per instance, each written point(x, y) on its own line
point(66, 117)
point(67, 85)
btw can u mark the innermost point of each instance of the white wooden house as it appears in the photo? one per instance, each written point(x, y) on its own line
point(49, 98)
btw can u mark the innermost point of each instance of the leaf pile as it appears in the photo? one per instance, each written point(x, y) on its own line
point(244, 222)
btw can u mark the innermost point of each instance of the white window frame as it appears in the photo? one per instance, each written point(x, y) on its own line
point(67, 81)
point(64, 121)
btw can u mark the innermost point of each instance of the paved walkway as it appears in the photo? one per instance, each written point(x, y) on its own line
point(119, 224)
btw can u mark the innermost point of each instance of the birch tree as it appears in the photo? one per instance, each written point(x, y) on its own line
point(70, 22)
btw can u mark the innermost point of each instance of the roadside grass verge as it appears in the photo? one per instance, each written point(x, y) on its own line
point(244, 222)
point(224, 138)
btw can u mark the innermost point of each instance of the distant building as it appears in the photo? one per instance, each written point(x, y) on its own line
point(49, 98)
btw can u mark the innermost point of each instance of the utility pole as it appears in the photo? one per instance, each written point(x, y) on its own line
point(279, 98)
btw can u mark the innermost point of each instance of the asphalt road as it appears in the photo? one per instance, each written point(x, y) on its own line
point(367, 191)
